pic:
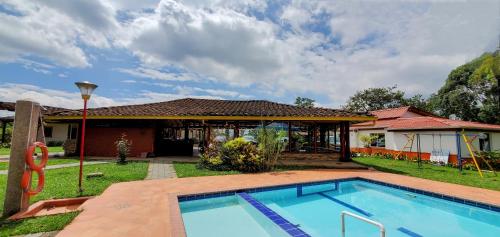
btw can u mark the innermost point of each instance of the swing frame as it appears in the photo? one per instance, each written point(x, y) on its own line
point(473, 150)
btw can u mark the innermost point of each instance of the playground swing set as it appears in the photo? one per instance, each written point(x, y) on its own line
point(441, 155)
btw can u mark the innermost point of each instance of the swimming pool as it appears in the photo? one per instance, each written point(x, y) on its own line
point(314, 209)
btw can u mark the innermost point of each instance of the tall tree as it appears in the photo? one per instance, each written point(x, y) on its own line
point(383, 98)
point(304, 102)
point(471, 91)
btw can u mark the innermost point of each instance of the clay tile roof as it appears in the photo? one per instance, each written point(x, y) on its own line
point(398, 112)
point(11, 106)
point(209, 107)
point(425, 122)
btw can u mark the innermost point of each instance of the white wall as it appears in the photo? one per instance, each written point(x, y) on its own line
point(429, 140)
point(495, 140)
point(59, 131)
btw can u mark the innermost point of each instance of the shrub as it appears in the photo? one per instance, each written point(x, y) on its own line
point(271, 145)
point(367, 140)
point(242, 155)
point(123, 148)
point(210, 157)
point(236, 154)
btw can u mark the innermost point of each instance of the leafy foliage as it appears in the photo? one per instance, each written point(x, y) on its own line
point(123, 148)
point(236, 154)
point(368, 139)
point(270, 145)
point(304, 102)
point(240, 155)
point(383, 98)
point(471, 91)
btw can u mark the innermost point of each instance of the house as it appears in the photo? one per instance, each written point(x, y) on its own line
point(54, 133)
point(395, 129)
point(176, 127)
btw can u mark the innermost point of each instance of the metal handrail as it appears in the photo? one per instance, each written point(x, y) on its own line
point(379, 225)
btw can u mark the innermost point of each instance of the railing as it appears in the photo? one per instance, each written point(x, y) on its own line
point(344, 213)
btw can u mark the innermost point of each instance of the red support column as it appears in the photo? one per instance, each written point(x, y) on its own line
point(289, 136)
point(82, 145)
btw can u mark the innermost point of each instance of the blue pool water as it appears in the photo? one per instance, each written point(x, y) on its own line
point(314, 210)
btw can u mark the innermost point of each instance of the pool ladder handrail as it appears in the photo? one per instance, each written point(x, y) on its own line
point(344, 213)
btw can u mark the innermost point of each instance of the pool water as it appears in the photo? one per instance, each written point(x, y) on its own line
point(315, 210)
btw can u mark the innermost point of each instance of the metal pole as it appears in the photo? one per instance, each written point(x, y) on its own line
point(459, 151)
point(342, 222)
point(82, 145)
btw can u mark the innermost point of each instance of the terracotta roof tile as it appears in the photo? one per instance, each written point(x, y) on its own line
point(425, 122)
point(207, 107)
point(398, 112)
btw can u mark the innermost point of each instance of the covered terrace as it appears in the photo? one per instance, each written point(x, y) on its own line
point(179, 127)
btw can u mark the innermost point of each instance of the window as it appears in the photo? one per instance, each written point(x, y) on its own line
point(484, 142)
point(47, 131)
point(72, 131)
point(378, 139)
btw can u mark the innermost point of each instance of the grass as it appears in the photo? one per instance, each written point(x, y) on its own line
point(433, 172)
point(185, 169)
point(63, 183)
point(6, 151)
point(52, 161)
point(189, 169)
point(37, 225)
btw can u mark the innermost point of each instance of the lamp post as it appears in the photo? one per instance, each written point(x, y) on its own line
point(86, 88)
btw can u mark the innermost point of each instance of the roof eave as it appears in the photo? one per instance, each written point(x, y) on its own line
point(181, 117)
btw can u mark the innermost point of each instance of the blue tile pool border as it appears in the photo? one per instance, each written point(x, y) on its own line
point(291, 229)
point(183, 198)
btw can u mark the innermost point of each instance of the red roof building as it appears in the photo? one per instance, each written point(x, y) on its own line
point(395, 127)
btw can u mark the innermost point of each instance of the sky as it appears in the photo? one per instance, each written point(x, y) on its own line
point(150, 51)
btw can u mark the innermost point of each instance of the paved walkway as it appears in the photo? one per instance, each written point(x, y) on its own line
point(51, 167)
point(160, 168)
point(51, 154)
point(150, 207)
point(43, 234)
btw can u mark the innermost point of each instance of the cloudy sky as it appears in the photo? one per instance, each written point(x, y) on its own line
point(146, 51)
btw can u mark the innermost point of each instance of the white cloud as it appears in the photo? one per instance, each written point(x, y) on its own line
point(219, 42)
point(151, 73)
point(11, 92)
point(361, 43)
point(55, 30)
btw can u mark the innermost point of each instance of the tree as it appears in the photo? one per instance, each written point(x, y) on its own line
point(471, 91)
point(383, 98)
point(304, 102)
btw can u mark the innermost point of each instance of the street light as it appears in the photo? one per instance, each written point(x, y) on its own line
point(86, 88)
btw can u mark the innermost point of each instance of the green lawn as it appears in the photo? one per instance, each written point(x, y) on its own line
point(433, 172)
point(188, 169)
point(52, 161)
point(63, 183)
point(37, 225)
point(185, 169)
point(6, 151)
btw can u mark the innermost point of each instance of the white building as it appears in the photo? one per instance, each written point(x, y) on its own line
point(437, 136)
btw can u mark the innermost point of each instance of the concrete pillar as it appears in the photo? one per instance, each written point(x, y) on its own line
point(23, 135)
